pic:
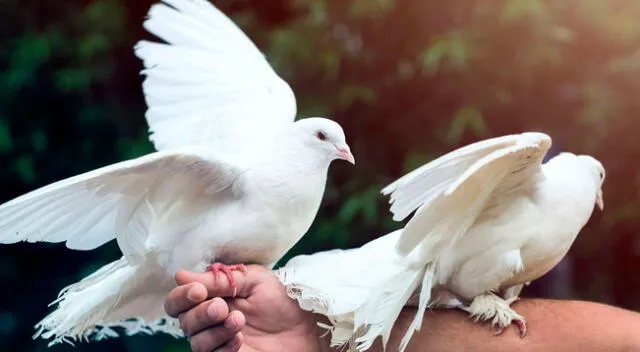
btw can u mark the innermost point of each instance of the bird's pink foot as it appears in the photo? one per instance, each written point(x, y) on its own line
point(227, 270)
point(520, 323)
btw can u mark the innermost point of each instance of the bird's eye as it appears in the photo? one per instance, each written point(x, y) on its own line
point(321, 135)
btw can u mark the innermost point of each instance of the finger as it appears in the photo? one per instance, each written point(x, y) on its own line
point(184, 297)
point(203, 316)
point(220, 287)
point(216, 337)
point(234, 345)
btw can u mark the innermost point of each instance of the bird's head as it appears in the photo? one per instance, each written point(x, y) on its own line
point(324, 136)
point(598, 172)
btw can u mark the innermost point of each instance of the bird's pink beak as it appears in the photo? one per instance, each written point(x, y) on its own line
point(344, 153)
point(599, 201)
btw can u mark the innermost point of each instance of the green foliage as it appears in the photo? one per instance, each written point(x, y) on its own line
point(514, 10)
point(348, 95)
point(451, 48)
point(409, 80)
point(467, 118)
point(6, 143)
point(24, 168)
point(370, 8)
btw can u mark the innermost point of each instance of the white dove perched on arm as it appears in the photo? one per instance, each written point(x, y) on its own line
point(491, 217)
point(235, 179)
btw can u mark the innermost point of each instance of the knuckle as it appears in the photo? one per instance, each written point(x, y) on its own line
point(190, 322)
point(235, 343)
point(176, 301)
point(202, 316)
point(169, 305)
point(201, 313)
point(207, 340)
point(199, 345)
point(217, 309)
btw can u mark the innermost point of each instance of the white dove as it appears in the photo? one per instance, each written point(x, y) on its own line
point(235, 179)
point(491, 217)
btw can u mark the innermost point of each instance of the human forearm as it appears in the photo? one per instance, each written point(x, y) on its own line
point(561, 326)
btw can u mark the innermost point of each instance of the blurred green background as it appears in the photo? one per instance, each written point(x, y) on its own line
point(408, 80)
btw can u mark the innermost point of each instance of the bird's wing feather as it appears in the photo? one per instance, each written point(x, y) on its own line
point(453, 191)
point(424, 184)
point(208, 82)
point(116, 201)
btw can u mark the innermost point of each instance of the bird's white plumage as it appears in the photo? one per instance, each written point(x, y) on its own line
point(451, 192)
point(425, 183)
point(356, 289)
point(491, 217)
point(235, 180)
point(208, 82)
point(116, 201)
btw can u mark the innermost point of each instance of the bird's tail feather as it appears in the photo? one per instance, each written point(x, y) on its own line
point(117, 295)
point(362, 291)
point(424, 303)
point(390, 302)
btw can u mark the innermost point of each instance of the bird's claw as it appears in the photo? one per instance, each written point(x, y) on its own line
point(522, 326)
point(520, 323)
point(227, 270)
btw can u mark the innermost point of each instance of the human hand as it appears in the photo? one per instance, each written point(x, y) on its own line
point(261, 318)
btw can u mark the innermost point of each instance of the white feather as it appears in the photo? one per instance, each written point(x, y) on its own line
point(93, 208)
point(209, 82)
point(445, 190)
point(360, 303)
point(107, 299)
point(491, 217)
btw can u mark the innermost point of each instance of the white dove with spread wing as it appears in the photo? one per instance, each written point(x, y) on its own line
point(491, 217)
point(235, 179)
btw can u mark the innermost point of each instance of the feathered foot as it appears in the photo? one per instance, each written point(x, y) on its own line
point(216, 268)
point(490, 306)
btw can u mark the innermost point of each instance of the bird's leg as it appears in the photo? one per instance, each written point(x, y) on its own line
point(216, 268)
point(444, 298)
point(510, 292)
point(492, 307)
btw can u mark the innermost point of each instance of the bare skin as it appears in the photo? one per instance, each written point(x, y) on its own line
point(262, 318)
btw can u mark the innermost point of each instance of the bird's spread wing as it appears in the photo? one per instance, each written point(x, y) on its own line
point(451, 192)
point(208, 82)
point(116, 201)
